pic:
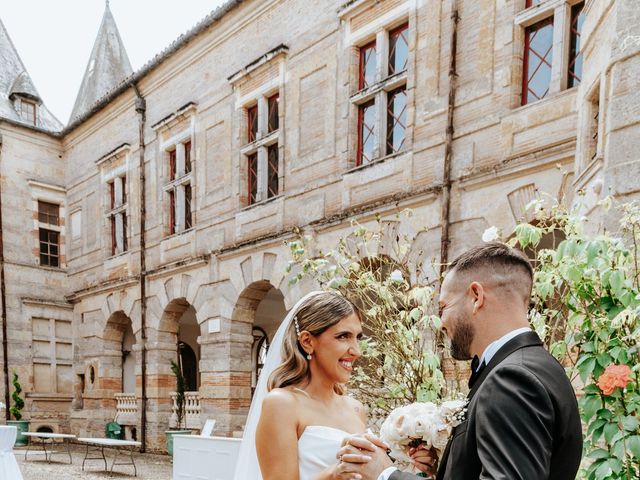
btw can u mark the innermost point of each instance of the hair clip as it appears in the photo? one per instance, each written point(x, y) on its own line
point(296, 325)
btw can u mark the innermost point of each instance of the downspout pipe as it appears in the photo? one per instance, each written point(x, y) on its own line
point(446, 177)
point(3, 299)
point(141, 110)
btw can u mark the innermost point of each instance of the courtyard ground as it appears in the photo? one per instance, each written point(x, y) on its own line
point(150, 467)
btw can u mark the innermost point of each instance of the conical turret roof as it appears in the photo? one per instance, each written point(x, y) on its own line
point(16, 82)
point(107, 68)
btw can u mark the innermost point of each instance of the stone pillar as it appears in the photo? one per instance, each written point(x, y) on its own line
point(161, 349)
point(225, 369)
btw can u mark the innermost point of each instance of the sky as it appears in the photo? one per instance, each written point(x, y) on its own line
point(54, 38)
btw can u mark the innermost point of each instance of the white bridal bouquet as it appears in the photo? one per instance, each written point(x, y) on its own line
point(422, 423)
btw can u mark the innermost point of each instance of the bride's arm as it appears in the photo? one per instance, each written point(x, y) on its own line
point(277, 437)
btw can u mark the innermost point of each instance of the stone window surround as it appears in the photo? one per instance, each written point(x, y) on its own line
point(264, 139)
point(118, 212)
point(586, 166)
point(44, 192)
point(560, 10)
point(260, 146)
point(177, 140)
point(378, 31)
point(108, 174)
point(179, 185)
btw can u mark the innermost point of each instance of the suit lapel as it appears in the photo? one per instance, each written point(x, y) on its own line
point(524, 340)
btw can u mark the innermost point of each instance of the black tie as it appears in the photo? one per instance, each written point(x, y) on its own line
point(476, 370)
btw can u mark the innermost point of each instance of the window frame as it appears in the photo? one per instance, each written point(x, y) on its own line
point(257, 181)
point(528, 33)
point(561, 13)
point(180, 165)
point(376, 95)
point(117, 210)
point(32, 116)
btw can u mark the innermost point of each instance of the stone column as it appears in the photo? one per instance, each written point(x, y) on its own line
point(161, 349)
point(225, 369)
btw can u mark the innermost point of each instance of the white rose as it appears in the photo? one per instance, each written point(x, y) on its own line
point(490, 234)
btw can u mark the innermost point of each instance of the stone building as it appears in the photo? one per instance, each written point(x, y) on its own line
point(153, 225)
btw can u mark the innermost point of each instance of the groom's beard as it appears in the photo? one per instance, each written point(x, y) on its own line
point(462, 338)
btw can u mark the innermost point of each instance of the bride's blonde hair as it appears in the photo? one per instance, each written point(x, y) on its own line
point(315, 315)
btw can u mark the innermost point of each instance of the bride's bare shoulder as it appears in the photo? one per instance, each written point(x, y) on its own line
point(357, 406)
point(280, 399)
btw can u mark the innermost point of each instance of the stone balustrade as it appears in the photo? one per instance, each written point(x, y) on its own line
point(191, 411)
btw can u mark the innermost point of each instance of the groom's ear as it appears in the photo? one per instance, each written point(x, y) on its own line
point(477, 293)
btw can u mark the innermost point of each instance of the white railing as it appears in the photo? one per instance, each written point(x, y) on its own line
point(191, 411)
point(126, 408)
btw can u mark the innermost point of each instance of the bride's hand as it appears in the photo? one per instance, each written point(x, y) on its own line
point(345, 471)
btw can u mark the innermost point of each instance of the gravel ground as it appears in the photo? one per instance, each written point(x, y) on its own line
point(150, 467)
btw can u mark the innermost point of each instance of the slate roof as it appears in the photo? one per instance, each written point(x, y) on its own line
point(107, 68)
point(15, 81)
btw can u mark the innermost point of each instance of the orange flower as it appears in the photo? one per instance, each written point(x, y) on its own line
point(614, 376)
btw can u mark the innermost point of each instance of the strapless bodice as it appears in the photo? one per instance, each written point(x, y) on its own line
point(317, 449)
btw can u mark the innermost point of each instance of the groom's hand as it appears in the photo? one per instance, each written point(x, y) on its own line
point(425, 460)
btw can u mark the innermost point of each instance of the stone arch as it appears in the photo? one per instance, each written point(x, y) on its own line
point(179, 323)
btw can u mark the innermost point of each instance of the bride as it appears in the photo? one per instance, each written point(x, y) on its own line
point(300, 414)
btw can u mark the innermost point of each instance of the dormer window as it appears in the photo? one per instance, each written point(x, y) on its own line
point(28, 111)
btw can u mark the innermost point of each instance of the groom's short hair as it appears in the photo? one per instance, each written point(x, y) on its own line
point(508, 265)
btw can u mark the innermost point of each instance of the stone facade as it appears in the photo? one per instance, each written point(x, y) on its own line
point(211, 279)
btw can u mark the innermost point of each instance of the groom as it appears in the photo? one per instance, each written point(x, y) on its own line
point(522, 418)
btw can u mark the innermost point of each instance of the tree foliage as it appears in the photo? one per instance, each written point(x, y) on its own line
point(403, 347)
point(586, 306)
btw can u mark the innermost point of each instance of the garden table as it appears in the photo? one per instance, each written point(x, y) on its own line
point(42, 438)
point(96, 446)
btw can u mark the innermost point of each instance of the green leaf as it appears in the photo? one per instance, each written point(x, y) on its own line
point(603, 471)
point(590, 406)
point(610, 429)
point(618, 449)
point(633, 445)
point(599, 453)
point(630, 423)
point(586, 368)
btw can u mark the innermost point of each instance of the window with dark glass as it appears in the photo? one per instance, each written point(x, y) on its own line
point(366, 137)
point(187, 157)
point(396, 120)
point(272, 167)
point(48, 213)
point(118, 214)
point(538, 55)
point(187, 207)
point(398, 49)
point(575, 54)
point(172, 212)
point(368, 65)
point(252, 161)
point(172, 164)
point(274, 120)
point(252, 123)
point(49, 248)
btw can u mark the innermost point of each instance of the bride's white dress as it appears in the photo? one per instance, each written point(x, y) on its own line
point(317, 449)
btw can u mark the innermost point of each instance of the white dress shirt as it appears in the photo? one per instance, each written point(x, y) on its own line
point(487, 355)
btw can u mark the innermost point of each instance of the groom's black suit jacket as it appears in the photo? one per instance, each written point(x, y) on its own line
point(522, 421)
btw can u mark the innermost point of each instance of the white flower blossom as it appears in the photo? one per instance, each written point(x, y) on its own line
point(490, 234)
point(396, 276)
point(425, 423)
